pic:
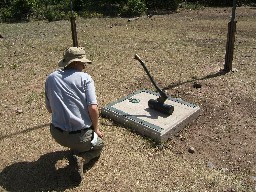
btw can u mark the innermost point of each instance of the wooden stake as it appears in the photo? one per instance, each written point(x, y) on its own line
point(73, 26)
point(230, 41)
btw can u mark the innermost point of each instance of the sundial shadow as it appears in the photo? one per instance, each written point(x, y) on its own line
point(152, 114)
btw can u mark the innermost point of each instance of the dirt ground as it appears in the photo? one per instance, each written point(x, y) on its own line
point(180, 49)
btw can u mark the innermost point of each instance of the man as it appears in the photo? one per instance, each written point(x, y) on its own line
point(70, 97)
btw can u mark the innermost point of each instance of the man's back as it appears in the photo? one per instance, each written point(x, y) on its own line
point(68, 92)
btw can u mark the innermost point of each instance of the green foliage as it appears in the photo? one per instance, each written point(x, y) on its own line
point(57, 10)
point(219, 3)
point(190, 5)
point(163, 4)
point(17, 10)
point(25, 10)
point(5, 14)
point(90, 14)
point(52, 15)
point(133, 8)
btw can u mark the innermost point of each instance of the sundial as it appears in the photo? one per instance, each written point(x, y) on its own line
point(132, 111)
point(153, 114)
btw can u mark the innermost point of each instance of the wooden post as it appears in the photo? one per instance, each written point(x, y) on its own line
point(230, 41)
point(73, 26)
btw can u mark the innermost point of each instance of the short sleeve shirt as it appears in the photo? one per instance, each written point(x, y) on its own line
point(68, 94)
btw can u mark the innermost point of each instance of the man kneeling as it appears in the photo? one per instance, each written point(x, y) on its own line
point(70, 97)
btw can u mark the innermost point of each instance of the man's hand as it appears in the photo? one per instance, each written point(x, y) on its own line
point(99, 133)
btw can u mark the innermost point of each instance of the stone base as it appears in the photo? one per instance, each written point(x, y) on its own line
point(132, 111)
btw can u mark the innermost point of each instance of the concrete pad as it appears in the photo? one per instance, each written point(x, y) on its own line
point(132, 111)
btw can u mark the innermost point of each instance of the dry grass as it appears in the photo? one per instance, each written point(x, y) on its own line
point(179, 49)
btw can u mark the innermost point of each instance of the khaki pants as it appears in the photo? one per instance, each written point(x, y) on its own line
point(79, 142)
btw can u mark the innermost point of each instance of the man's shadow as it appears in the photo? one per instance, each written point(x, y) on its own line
point(41, 175)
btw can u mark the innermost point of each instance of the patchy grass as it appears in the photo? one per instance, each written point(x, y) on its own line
point(179, 49)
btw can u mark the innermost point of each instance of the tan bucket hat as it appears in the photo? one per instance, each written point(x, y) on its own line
point(73, 54)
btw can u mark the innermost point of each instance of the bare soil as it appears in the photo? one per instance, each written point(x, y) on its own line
point(180, 49)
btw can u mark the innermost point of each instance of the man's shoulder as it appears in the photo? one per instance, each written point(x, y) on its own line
point(54, 72)
point(69, 74)
point(84, 75)
point(52, 75)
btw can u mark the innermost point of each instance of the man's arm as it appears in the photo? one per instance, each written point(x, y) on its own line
point(47, 104)
point(48, 109)
point(94, 115)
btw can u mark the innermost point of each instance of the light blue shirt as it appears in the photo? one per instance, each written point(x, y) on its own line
point(68, 94)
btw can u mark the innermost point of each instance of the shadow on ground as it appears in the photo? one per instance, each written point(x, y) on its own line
point(40, 175)
point(24, 131)
point(173, 85)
